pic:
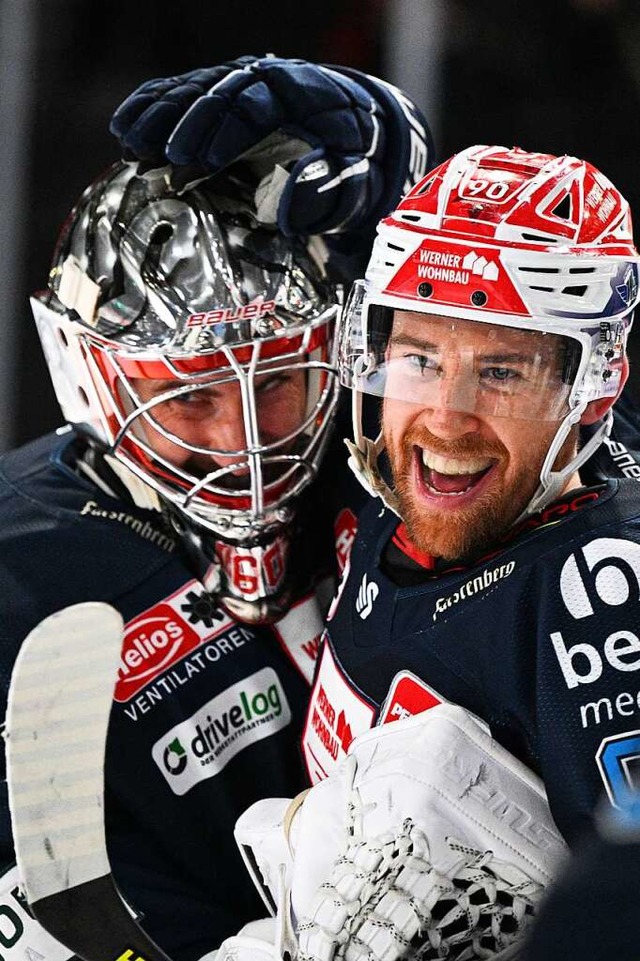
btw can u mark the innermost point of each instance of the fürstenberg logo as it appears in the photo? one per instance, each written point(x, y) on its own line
point(201, 746)
point(454, 268)
point(605, 571)
point(473, 586)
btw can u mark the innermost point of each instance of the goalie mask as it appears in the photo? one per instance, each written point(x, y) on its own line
point(529, 251)
point(195, 349)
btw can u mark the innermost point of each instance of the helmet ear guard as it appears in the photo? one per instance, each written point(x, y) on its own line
point(514, 240)
point(189, 292)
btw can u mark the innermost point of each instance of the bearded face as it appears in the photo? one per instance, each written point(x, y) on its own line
point(469, 413)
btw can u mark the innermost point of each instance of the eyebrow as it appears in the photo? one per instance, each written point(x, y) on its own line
point(405, 340)
point(168, 387)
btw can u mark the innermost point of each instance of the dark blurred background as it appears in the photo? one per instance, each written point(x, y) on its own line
point(561, 76)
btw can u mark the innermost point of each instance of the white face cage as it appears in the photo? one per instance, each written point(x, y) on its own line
point(253, 488)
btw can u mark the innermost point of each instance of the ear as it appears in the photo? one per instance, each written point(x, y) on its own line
point(598, 408)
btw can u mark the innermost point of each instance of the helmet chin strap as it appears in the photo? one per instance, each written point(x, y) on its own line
point(363, 458)
point(364, 453)
point(142, 494)
point(552, 482)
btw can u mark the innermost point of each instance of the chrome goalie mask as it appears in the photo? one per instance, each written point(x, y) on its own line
point(195, 349)
point(533, 250)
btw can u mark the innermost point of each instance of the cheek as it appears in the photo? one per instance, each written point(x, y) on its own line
point(526, 443)
point(297, 400)
point(282, 412)
point(396, 418)
point(166, 448)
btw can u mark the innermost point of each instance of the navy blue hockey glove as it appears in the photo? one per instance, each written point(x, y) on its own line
point(144, 122)
point(332, 148)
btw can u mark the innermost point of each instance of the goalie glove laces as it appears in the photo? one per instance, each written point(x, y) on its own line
point(384, 900)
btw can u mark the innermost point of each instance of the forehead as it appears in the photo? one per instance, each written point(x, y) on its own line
point(431, 330)
point(223, 381)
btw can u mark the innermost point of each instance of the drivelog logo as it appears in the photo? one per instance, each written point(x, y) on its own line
point(174, 757)
point(201, 746)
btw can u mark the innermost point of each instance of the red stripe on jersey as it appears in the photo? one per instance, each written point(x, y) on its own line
point(404, 543)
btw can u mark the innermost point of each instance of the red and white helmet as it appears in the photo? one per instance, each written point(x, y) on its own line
point(188, 288)
point(503, 237)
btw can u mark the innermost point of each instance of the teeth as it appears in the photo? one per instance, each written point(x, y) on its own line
point(451, 465)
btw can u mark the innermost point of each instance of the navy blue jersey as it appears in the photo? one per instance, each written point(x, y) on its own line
point(591, 911)
point(541, 639)
point(207, 712)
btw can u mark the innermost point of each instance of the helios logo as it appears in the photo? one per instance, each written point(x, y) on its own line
point(152, 642)
point(605, 572)
point(201, 746)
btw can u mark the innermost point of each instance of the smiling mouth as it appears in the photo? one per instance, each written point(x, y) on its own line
point(451, 476)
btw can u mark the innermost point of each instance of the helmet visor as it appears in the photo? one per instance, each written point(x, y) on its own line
point(462, 365)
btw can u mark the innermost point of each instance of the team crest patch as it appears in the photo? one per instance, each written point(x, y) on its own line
point(337, 713)
point(618, 760)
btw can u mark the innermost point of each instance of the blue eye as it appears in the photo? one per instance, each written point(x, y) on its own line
point(272, 383)
point(420, 363)
point(189, 399)
point(499, 374)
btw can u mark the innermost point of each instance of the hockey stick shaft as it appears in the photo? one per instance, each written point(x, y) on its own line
point(57, 719)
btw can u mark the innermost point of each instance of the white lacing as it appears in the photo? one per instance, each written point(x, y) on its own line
point(385, 901)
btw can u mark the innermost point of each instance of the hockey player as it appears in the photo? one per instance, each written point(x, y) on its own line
point(591, 910)
point(502, 570)
point(554, 556)
point(195, 489)
point(501, 573)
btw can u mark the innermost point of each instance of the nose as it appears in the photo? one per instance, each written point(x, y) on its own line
point(458, 384)
point(228, 435)
point(448, 424)
point(451, 413)
point(224, 429)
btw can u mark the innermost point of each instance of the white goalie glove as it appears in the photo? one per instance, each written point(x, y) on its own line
point(430, 841)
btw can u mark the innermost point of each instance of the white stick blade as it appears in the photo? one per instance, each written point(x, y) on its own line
point(57, 718)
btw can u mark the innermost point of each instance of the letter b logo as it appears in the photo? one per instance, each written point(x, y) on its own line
point(607, 568)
